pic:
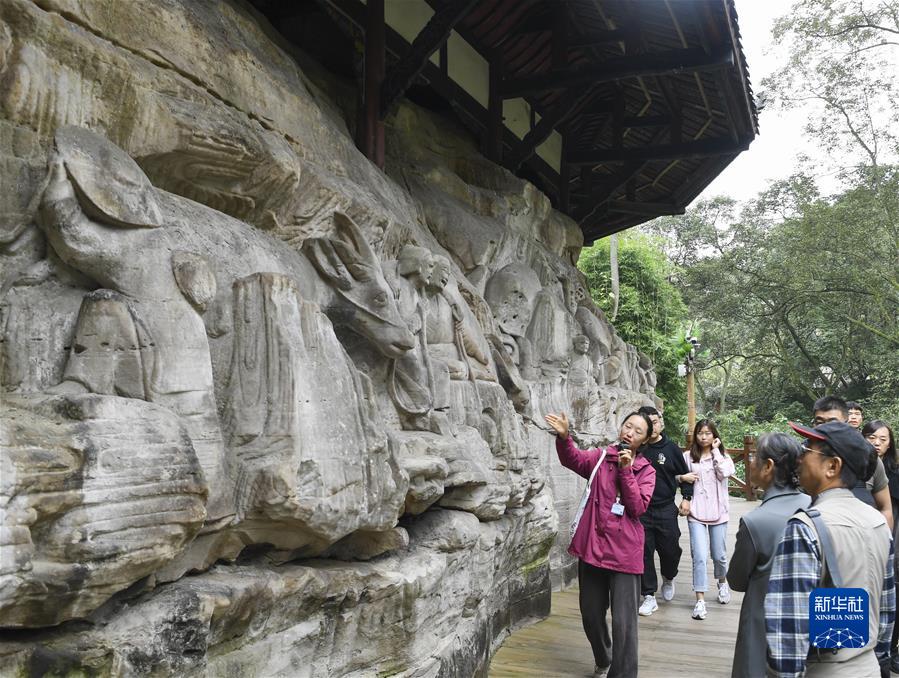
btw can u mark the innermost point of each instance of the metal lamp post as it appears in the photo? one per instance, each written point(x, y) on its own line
point(691, 397)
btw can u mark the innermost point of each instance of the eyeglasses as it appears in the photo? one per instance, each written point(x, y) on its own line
point(805, 449)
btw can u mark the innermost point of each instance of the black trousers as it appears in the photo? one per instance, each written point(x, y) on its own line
point(662, 535)
point(599, 589)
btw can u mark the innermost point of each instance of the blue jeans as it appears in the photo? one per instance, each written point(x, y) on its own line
point(703, 536)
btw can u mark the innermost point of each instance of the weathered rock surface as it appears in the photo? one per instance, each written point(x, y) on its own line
point(96, 492)
point(231, 347)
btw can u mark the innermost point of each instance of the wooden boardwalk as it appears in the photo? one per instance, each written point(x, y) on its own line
point(672, 644)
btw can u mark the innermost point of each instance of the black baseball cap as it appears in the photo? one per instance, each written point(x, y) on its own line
point(856, 452)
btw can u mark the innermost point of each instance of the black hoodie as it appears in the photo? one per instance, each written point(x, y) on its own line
point(667, 459)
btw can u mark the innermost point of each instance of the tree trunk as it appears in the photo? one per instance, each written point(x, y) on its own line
point(724, 386)
point(613, 264)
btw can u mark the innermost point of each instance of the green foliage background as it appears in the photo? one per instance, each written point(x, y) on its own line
point(651, 313)
point(795, 296)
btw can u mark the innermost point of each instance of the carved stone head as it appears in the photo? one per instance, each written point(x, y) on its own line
point(416, 264)
point(510, 293)
point(440, 275)
point(581, 344)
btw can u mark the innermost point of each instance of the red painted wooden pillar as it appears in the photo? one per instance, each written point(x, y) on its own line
point(371, 141)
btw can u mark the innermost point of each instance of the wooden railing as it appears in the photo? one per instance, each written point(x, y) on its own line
point(742, 454)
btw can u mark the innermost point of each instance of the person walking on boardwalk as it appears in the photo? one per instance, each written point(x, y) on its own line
point(774, 468)
point(607, 538)
point(844, 542)
point(662, 533)
point(709, 468)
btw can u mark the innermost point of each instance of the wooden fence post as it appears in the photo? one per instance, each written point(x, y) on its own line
point(748, 448)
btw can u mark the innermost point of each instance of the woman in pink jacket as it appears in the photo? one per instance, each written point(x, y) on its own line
point(710, 467)
point(608, 538)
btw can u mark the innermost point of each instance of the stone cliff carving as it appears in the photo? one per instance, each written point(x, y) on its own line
point(418, 386)
point(511, 292)
point(307, 462)
point(98, 492)
point(589, 410)
point(240, 389)
point(139, 336)
point(452, 331)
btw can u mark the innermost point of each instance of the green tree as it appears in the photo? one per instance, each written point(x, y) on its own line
point(841, 68)
point(651, 313)
point(796, 297)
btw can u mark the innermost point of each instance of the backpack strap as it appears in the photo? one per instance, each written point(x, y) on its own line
point(830, 567)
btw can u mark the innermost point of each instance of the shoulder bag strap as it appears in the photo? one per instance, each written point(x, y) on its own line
point(596, 468)
point(831, 567)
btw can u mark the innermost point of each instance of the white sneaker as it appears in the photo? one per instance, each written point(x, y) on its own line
point(723, 593)
point(699, 610)
point(648, 606)
point(667, 589)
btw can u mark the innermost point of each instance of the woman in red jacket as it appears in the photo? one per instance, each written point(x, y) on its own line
point(608, 538)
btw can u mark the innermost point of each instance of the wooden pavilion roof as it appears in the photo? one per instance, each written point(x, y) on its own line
point(650, 98)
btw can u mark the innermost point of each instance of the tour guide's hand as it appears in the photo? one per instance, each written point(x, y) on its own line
point(684, 509)
point(559, 424)
point(625, 458)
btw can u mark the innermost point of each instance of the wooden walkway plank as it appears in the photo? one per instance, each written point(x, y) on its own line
point(672, 644)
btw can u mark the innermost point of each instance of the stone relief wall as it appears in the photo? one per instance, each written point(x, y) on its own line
point(232, 348)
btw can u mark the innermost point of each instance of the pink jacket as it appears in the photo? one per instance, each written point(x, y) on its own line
point(711, 502)
point(603, 539)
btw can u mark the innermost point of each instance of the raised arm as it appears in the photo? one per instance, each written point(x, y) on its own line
point(578, 460)
point(724, 465)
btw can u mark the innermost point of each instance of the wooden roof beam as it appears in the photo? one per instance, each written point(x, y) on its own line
point(598, 39)
point(649, 209)
point(657, 63)
point(598, 195)
point(597, 231)
point(740, 67)
point(690, 149)
point(435, 34)
point(647, 121)
point(566, 107)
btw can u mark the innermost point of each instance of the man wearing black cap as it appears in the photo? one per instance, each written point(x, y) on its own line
point(834, 458)
point(873, 490)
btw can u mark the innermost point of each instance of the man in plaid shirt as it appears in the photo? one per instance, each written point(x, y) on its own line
point(834, 459)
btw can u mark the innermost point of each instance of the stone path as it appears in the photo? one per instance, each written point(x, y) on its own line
point(671, 643)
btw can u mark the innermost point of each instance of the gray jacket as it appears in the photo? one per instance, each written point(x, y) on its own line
point(750, 566)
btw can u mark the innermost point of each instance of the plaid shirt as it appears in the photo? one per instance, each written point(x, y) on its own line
point(796, 571)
